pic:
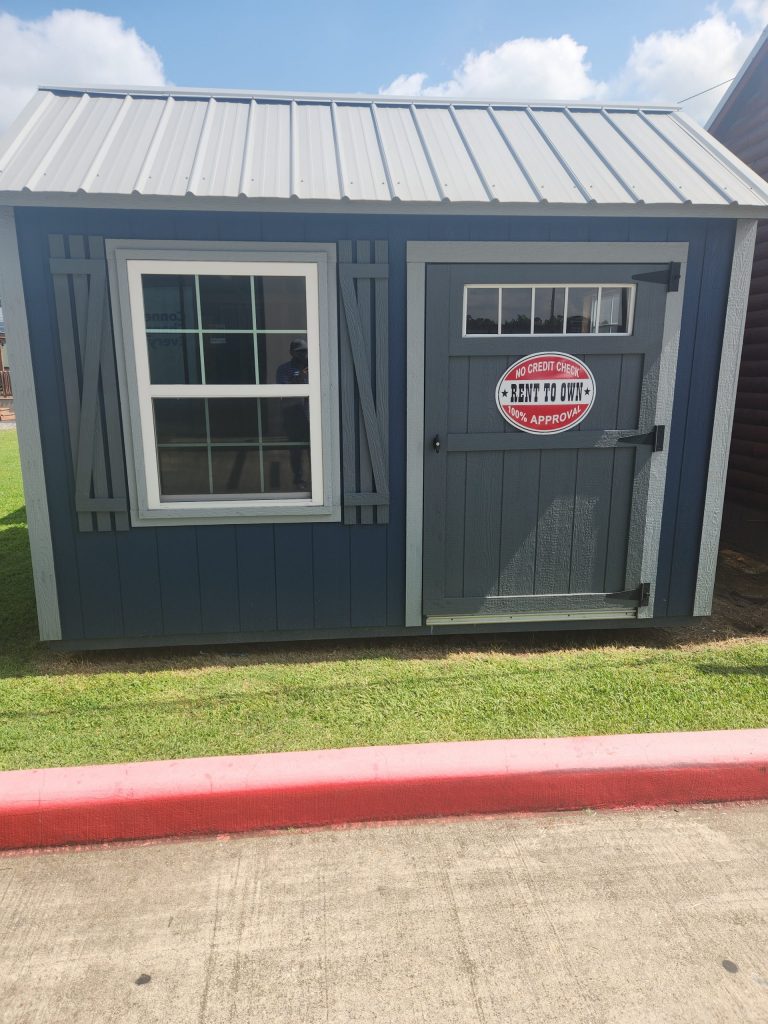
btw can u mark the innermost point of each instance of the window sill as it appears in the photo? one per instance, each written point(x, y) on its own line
point(242, 516)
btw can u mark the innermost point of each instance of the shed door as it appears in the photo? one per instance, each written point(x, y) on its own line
point(550, 523)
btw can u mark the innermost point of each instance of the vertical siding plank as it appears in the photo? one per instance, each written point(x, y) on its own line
point(219, 592)
point(100, 586)
point(256, 578)
point(591, 520)
point(482, 524)
point(519, 505)
point(179, 580)
point(331, 569)
point(621, 512)
point(368, 576)
point(140, 583)
point(293, 576)
point(555, 521)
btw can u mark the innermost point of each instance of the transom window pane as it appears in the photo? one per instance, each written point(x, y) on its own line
point(614, 310)
point(516, 310)
point(557, 309)
point(482, 310)
point(549, 311)
point(582, 311)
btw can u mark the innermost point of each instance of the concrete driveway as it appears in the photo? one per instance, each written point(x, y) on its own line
point(628, 916)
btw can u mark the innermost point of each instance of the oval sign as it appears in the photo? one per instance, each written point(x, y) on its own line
point(546, 393)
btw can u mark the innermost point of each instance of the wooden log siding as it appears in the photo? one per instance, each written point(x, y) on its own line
point(364, 372)
point(79, 272)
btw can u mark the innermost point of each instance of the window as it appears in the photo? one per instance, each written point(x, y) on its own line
point(502, 310)
point(229, 389)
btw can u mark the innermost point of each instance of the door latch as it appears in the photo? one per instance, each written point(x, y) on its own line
point(436, 442)
point(654, 438)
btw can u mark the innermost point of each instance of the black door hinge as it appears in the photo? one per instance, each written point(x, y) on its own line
point(645, 595)
point(673, 281)
point(654, 438)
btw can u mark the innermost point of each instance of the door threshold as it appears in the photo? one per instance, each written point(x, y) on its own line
point(580, 614)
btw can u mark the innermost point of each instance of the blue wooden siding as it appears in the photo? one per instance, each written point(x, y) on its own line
point(246, 580)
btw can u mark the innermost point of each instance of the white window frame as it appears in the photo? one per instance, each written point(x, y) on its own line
point(128, 261)
point(555, 334)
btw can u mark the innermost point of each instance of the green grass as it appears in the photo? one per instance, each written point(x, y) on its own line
point(64, 709)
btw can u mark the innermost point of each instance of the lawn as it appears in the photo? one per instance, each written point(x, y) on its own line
point(66, 709)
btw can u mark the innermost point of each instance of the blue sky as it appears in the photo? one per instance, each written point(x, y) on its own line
point(650, 52)
point(360, 46)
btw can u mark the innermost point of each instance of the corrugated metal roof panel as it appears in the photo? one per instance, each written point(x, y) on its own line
point(635, 170)
point(412, 179)
point(266, 169)
point(179, 143)
point(360, 155)
point(494, 156)
point(546, 171)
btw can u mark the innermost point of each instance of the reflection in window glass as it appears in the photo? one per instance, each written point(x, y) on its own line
point(229, 358)
point(174, 358)
point(225, 303)
point(281, 303)
point(183, 471)
point(516, 310)
point(614, 310)
point(252, 330)
point(236, 470)
point(549, 310)
point(169, 302)
point(582, 311)
point(179, 420)
point(482, 311)
point(283, 359)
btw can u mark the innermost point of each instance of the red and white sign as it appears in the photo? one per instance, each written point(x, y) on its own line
point(546, 393)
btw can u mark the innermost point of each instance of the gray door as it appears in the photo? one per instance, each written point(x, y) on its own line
point(519, 524)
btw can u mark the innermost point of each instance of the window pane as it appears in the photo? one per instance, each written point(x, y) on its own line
point(169, 301)
point(225, 303)
point(516, 310)
point(174, 358)
point(285, 419)
point(283, 359)
point(234, 420)
point(482, 311)
point(179, 420)
point(236, 470)
point(614, 311)
point(582, 311)
point(281, 303)
point(548, 310)
point(229, 359)
point(183, 471)
point(287, 470)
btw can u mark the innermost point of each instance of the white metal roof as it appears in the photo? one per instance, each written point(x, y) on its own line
point(185, 143)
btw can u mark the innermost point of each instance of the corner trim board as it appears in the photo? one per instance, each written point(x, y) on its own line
point(733, 336)
point(28, 427)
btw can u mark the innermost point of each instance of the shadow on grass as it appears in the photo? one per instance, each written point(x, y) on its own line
point(734, 670)
point(16, 518)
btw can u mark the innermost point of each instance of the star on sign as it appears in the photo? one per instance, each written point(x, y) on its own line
point(504, 394)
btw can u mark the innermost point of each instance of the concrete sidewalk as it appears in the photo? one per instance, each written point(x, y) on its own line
point(625, 916)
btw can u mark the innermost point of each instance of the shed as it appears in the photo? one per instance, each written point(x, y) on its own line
point(740, 121)
point(293, 367)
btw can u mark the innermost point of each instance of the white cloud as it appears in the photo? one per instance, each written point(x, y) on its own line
point(663, 67)
point(666, 67)
point(70, 47)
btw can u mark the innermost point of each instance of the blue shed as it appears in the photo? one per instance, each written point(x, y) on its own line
point(311, 366)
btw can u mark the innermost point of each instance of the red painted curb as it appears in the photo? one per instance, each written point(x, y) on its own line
point(57, 806)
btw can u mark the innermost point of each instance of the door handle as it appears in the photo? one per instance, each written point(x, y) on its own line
point(436, 442)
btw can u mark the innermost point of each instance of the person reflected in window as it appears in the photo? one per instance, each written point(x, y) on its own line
point(296, 410)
